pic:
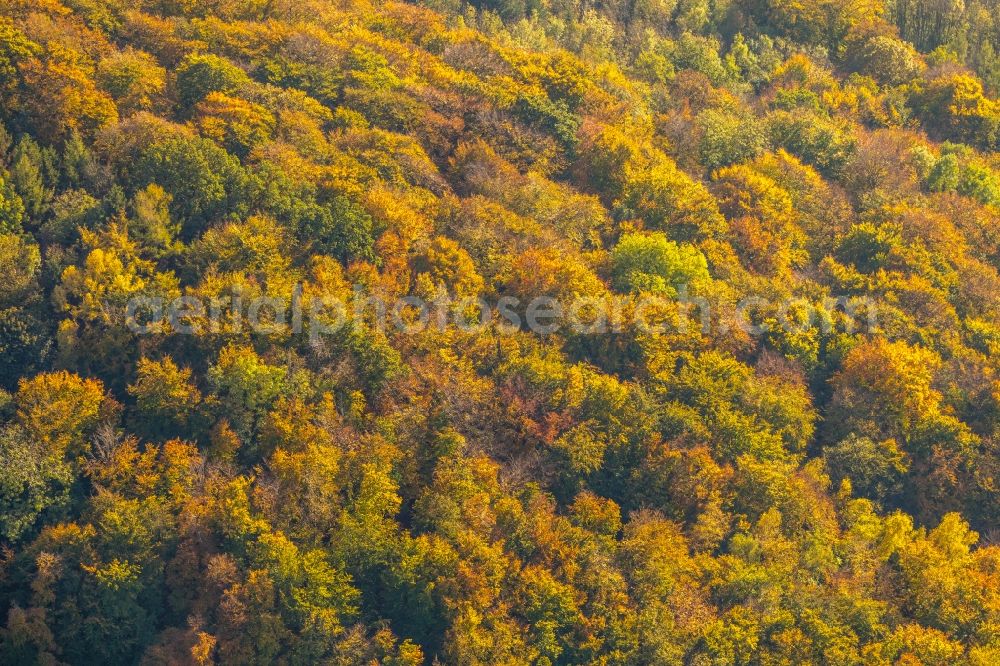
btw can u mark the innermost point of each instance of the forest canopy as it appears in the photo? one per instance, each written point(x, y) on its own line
point(817, 486)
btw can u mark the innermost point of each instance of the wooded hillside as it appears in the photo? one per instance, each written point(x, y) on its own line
point(810, 477)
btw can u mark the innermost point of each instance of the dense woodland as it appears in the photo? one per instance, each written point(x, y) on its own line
point(819, 494)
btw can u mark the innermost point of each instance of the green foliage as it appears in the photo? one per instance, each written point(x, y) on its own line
point(11, 209)
point(24, 341)
point(204, 182)
point(944, 175)
point(980, 184)
point(203, 73)
point(552, 116)
point(763, 417)
point(245, 386)
point(341, 229)
point(654, 264)
point(31, 174)
point(30, 483)
point(813, 139)
point(874, 469)
point(727, 139)
point(868, 247)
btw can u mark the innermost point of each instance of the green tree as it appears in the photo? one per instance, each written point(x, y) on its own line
point(341, 229)
point(653, 263)
point(202, 73)
point(205, 183)
point(32, 481)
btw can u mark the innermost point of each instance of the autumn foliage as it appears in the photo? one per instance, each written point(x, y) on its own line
point(823, 490)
